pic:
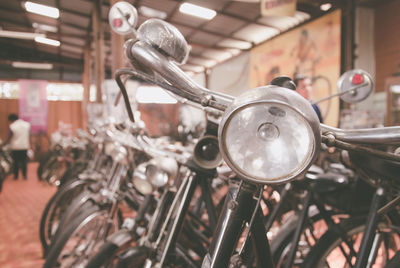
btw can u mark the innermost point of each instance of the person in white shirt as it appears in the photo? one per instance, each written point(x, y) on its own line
point(19, 141)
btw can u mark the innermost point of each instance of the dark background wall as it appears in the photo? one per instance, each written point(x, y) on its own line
point(387, 41)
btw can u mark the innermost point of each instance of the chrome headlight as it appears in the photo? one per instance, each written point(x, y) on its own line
point(269, 135)
point(155, 173)
point(140, 181)
point(116, 151)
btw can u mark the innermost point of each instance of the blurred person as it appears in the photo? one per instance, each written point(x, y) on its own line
point(19, 142)
point(304, 87)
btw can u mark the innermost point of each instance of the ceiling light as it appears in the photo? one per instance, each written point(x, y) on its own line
point(20, 35)
point(44, 27)
point(32, 65)
point(197, 11)
point(43, 10)
point(284, 22)
point(219, 55)
point(152, 13)
point(190, 73)
point(235, 44)
point(234, 52)
point(325, 7)
point(256, 33)
point(47, 41)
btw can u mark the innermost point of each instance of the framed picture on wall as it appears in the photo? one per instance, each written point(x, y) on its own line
point(311, 50)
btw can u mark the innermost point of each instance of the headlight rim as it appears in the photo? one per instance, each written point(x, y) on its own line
point(234, 109)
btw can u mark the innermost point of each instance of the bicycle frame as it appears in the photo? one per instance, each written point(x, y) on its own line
point(237, 210)
point(173, 223)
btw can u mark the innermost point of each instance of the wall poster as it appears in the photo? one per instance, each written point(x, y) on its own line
point(33, 104)
point(313, 50)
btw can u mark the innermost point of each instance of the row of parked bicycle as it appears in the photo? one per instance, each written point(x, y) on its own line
point(5, 164)
point(265, 185)
point(124, 192)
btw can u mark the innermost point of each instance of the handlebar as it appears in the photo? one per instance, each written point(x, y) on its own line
point(151, 58)
point(371, 136)
point(155, 151)
point(177, 82)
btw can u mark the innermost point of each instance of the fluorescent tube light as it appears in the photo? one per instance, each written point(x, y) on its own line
point(43, 10)
point(32, 65)
point(20, 35)
point(45, 27)
point(152, 13)
point(47, 41)
point(197, 11)
point(325, 7)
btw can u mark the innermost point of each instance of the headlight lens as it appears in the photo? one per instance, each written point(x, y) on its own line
point(155, 173)
point(142, 184)
point(264, 138)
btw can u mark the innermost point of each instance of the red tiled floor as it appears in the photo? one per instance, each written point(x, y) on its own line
point(21, 206)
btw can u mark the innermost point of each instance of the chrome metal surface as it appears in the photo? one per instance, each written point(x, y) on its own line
point(267, 123)
point(356, 85)
point(387, 135)
point(153, 59)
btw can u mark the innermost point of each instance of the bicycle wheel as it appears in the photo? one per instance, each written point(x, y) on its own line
point(111, 255)
point(72, 172)
point(281, 244)
point(82, 238)
point(332, 251)
point(394, 262)
point(55, 208)
point(47, 157)
point(52, 171)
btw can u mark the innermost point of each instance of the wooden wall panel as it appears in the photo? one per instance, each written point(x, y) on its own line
point(387, 41)
point(6, 107)
point(69, 112)
point(160, 119)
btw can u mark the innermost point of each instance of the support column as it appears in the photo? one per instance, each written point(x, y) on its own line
point(86, 78)
point(98, 36)
point(348, 46)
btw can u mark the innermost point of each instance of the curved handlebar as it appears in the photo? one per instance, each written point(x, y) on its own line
point(386, 135)
point(182, 85)
point(149, 147)
point(151, 58)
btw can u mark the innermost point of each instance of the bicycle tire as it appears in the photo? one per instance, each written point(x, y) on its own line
point(72, 172)
point(81, 222)
point(43, 162)
point(323, 251)
point(281, 243)
point(49, 215)
point(111, 255)
point(394, 262)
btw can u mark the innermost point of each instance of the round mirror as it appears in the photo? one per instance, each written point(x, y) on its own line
point(123, 18)
point(355, 86)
